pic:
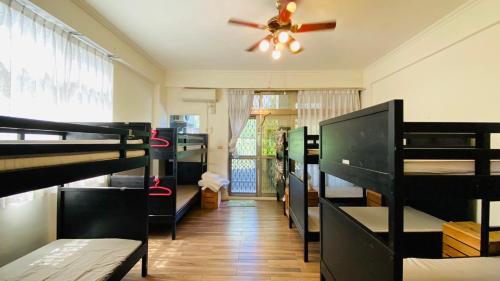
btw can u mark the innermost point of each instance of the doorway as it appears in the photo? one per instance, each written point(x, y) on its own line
point(252, 171)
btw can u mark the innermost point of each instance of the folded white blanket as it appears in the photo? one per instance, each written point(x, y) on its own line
point(212, 181)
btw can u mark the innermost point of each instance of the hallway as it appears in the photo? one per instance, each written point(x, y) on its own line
point(231, 243)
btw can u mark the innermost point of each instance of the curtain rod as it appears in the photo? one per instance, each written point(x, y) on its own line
point(50, 18)
point(301, 89)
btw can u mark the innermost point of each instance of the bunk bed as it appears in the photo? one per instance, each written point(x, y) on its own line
point(182, 160)
point(101, 232)
point(302, 150)
point(376, 149)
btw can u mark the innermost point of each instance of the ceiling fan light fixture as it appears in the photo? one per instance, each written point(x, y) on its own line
point(276, 54)
point(295, 46)
point(291, 7)
point(264, 45)
point(283, 37)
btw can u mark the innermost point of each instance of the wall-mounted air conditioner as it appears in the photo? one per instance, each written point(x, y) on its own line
point(199, 95)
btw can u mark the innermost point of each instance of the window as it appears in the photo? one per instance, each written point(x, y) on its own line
point(47, 73)
point(187, 124)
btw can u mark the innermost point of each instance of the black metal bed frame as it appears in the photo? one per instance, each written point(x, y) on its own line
point(367, 148)
point(298, 144)
point(173, 173)
point(80, 209)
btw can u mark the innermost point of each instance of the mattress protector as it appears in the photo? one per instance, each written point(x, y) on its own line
point(458, 269)
point(343, 192)
point(33, 161)
point(71, 259)
point(63, 142)
point(313, 151)
point(446, 167)
point(184, 194)
point(313, 219)
point(376, 219)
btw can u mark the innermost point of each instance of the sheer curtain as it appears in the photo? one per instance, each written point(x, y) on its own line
point(240, 107)
point(47, 73)
point(315, 106)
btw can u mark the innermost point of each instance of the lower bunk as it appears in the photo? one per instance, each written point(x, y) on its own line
point(102, 233)
point(357, 239)
point(168, 202)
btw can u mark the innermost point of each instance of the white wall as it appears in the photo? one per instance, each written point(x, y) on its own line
point(26, 226)
point(449, 72)
point(264, 79)
point(216, 125)
point(132, 96)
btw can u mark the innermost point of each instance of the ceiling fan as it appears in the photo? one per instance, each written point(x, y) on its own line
point(280, 27)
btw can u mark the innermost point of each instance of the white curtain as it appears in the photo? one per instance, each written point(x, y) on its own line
point(315, 106)
point(46, 73)
point(240, 107)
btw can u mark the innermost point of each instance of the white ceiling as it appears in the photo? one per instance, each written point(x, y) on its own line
point(194, 34)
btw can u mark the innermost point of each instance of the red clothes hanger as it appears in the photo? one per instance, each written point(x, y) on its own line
point(164, 143)
point(166, 190)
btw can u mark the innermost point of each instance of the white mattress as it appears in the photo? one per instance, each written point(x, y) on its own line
point(458, 269)
point(447, 167)
point(70, 259)
point(62, 142)
point(34, 161)
point(184, 194)
point(313, 220)
point(343, 192)
point(376, 219)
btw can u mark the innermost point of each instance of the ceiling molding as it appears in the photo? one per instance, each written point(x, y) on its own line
point(443, 22)
point(117, 32)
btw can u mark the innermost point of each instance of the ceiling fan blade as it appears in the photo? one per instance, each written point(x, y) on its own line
point(287, 9)
point(308, 27)
point(256, 45)
point(247, 23)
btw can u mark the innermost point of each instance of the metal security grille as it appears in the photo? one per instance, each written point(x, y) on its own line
point(244, 166)
point(243, 176)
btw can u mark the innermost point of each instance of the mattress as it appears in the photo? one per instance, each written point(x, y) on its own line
point(184, 194)
point(313, 151)
point(63, 142)
point(446, 167)
point(459, 269)
point(313, 219)
point(343, 192)
point(33, 161)
point(71, 259)
point(376, 219)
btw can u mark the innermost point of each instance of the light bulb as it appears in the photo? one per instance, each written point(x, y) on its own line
point(295, 46)
point(283, 37)
point(276, 54)
point(264, 45)
point(291, 7)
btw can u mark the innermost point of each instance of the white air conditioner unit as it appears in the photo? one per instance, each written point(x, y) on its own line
point(199, 95)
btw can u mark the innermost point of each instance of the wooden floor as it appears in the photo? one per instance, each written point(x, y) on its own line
point(231, 243)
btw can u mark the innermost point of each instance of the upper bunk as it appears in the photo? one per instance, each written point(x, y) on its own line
point(376, 149)
point(165, 142)
point(303, 148)
point(77, 151)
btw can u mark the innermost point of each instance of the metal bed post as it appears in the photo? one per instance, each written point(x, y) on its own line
point(305, 180)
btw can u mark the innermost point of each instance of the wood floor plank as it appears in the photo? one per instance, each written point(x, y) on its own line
point(230, 243)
